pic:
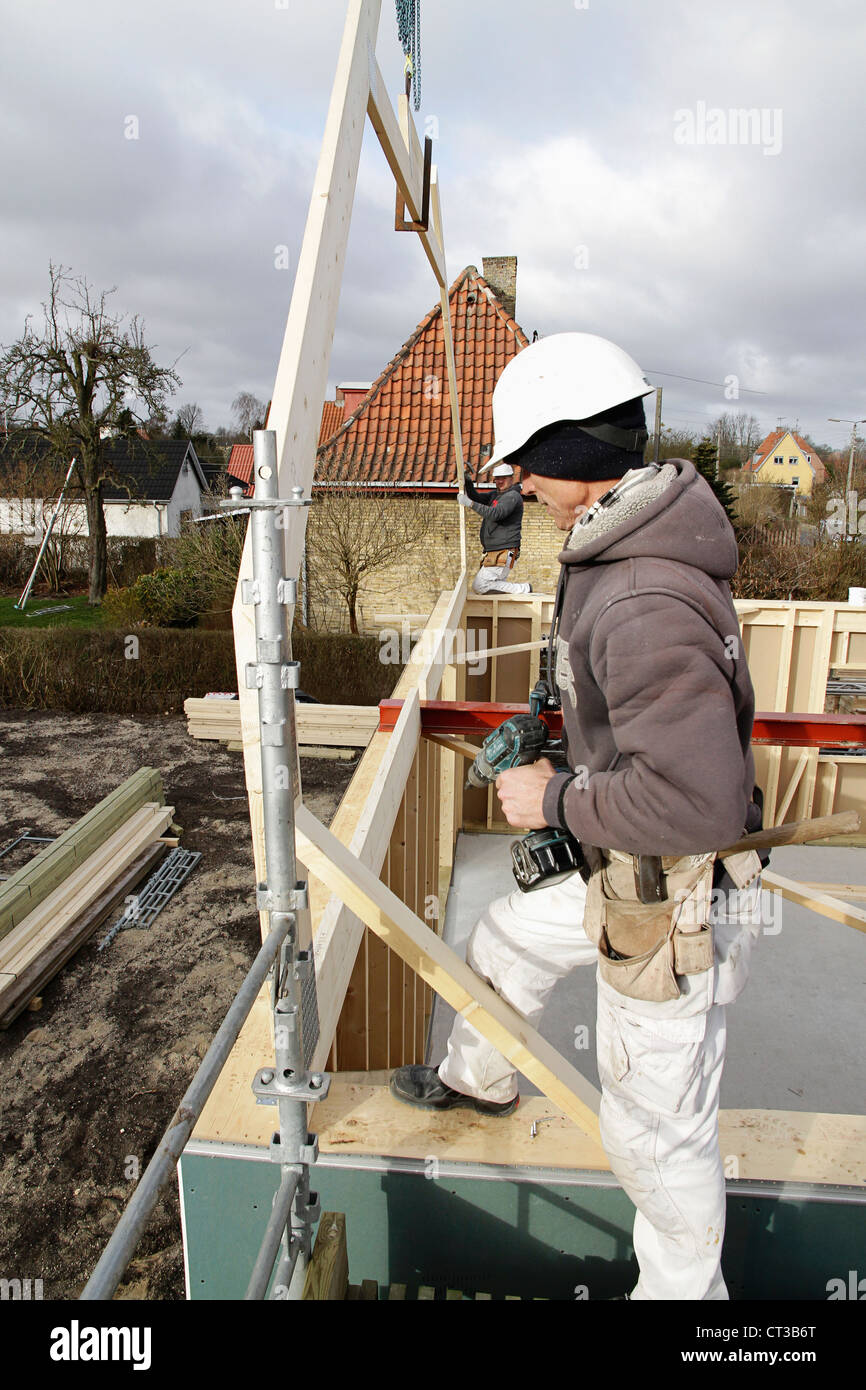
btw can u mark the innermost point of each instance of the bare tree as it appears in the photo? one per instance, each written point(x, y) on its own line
point(249, 412)
point(740, 435)
point(355, 533)
point(189, 420)
point(87, 374)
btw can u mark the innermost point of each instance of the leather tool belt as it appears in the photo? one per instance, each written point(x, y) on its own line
point(645, 947)
point(499, 557)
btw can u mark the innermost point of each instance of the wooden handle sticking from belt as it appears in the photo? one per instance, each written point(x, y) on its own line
point(797, 832)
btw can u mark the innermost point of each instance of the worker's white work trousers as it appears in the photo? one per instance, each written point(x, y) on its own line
point(660, 1067)
point(493, 579)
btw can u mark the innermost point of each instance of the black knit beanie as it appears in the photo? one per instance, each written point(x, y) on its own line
point(566, 449)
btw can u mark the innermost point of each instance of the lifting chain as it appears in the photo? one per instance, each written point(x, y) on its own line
point(409, 34)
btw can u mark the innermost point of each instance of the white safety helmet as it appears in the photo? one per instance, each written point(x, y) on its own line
point(568, 376)
point(503, 470)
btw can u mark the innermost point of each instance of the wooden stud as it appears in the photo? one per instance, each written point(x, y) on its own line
point(823, 903)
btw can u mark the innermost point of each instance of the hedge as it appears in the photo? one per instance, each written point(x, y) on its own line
point(153, 670)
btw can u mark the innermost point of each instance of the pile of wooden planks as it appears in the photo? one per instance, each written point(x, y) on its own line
point(330, 726)
point(51, 906)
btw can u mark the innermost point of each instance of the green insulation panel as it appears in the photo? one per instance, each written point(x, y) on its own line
point(526, 1233)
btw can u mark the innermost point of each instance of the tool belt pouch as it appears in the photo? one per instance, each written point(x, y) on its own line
point(644, 947)
point(498, 558)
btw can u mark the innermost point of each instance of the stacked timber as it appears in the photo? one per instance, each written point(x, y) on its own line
point(52, 905)
point(331, 726)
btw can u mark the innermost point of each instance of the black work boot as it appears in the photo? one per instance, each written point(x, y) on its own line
point(417, 1085)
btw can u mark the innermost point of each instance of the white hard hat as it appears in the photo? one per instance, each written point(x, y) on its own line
point(502, 470)
point(568, 376)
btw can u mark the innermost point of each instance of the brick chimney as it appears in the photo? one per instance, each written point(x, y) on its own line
point(500, 272)
point(350, 394)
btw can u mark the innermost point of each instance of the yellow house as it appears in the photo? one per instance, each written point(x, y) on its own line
point(787, 460)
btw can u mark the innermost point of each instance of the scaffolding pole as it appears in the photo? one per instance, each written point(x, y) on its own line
point(22, 602)
point(287, 1085)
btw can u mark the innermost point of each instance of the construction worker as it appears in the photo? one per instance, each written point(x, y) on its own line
point(501, 524)
point(657, 713)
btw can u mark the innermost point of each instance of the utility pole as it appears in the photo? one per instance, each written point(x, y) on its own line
point(718, 451)
point(848, 489)
point(658, 424)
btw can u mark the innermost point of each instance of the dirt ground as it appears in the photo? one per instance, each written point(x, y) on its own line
point(92, 1079)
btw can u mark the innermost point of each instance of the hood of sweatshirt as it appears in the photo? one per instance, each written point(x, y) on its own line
point(674, 515)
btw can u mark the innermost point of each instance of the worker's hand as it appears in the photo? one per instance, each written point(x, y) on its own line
point(521, 792)
point(463, 499)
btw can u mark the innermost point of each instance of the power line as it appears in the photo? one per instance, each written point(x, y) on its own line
point(701, 382)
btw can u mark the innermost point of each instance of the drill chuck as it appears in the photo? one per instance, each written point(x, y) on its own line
point(515, 743)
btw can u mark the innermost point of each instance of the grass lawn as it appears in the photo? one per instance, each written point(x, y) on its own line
point(78, 613)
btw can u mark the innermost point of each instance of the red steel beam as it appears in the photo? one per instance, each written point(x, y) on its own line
point(468, 717)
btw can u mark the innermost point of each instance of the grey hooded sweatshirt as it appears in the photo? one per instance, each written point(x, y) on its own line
point(657, 701)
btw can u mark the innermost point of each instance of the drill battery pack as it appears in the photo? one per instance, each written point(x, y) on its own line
point(544, 857)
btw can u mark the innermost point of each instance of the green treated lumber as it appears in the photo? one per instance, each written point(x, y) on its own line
point(86, 832)
point(26, 889)
point(327, 1278)
point(17, 991)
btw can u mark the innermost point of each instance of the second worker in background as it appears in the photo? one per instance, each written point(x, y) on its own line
point(501, 524)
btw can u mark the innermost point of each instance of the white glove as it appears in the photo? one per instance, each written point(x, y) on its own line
point(463, 499)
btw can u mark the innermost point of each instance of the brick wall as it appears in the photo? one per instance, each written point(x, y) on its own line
point(413, 585)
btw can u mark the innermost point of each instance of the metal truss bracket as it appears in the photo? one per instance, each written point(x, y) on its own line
point(269, 1087)
point(308, 1153)
point(400, 223)
point(269, 651)
point(312, 1211)
point(298, 899)
point(305, 964)
point(287, 591)
point(290, 677)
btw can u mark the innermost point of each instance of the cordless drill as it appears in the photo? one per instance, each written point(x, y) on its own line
point(543, 856)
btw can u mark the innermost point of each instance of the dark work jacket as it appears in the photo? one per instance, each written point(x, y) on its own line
point(501, 519)
point(657, 703)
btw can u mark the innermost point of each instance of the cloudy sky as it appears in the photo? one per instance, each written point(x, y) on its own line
point(584, 138)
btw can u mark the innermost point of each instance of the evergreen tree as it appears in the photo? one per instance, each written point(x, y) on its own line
point(704, 459)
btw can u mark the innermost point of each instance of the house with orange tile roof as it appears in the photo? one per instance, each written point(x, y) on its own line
point(396, 433)
point(786, 460)
point(393, 437)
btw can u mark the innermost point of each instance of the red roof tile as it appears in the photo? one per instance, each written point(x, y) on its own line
point(401, 431)
point(332, 419)
point(240, 464)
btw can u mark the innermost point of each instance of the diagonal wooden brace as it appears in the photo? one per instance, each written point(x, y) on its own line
point(384, 913)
